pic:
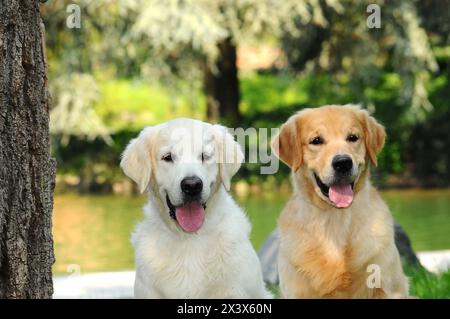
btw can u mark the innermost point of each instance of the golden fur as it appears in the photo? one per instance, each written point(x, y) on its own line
point(325, 251)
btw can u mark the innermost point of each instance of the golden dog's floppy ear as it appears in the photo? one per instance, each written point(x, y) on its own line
point(136, 160)
point(287, 144)
point(229, 155)
point(374, 136)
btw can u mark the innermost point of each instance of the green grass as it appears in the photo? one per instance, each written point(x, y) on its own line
point(427, 285)
point(423, 285)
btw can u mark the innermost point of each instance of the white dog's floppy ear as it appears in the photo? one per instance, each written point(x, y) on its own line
point(136, 160)
point(229, 157)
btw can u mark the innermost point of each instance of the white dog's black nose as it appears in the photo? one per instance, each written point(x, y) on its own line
point(342, 163)
point(192, 186)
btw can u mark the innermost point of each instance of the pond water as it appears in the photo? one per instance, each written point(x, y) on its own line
point(93, 231)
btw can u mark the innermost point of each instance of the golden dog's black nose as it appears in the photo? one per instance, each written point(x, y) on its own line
point(192, 186)
point(342, 163)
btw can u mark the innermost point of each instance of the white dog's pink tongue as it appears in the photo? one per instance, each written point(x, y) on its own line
point(341, 195)
point(190, 217)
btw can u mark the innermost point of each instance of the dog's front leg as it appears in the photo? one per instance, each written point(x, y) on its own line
point(143, 289)
point(385, 277)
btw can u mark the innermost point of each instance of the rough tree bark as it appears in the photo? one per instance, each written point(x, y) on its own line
point(27, 172)
point(222, 85)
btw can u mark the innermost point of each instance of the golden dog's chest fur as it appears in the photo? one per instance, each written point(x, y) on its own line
point(328, 252)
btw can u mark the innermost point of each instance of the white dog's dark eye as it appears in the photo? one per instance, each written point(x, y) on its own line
point(316, 140)
point(167, 158)
point(352, 138)
point(205, 157)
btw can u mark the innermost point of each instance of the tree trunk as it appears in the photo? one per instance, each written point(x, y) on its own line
point(27, 172)
point(222, 85)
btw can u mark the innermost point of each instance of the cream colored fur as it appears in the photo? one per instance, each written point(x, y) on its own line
point(218, 261)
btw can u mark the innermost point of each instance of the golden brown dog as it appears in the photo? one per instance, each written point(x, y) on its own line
point(336, 233)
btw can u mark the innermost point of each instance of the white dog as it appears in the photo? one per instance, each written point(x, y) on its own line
point(194, 240)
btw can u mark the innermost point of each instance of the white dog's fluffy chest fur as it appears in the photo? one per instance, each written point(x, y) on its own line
point(216, 262)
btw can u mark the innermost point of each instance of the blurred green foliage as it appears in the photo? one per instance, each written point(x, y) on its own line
point(132, 65)
point(133, 104)
point(126, 106)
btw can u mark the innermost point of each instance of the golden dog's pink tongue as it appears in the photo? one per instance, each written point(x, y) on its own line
point(190, 217)
point(341, 195)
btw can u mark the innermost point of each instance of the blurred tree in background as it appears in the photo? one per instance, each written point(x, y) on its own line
point(212, 30)
point(74, 115)
point(140, 62)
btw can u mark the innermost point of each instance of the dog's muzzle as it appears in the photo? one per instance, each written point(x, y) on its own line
point(340, 192)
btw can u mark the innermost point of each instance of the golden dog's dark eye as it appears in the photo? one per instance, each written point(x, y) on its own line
point(167, 158)
point(316, 140)
point(352, 138)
